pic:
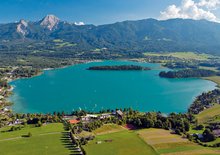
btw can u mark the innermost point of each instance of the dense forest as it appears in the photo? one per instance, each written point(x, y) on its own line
point(187, 73)
point(204, 101)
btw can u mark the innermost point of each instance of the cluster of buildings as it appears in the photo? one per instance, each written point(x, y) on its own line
point(90, 117)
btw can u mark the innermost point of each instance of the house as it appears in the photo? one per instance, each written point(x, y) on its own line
point(218, 100)
point(119, 114)
point(89, 117)
point(208, 106)
point(6, 110)
point(74, 121)
point(216, 132)
point(200, 136)
point(17, 121)
point(69, 117)
point(103, 116)
point(92, 116)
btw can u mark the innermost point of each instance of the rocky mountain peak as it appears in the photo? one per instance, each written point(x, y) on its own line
point(50, 21)
point(22, 27)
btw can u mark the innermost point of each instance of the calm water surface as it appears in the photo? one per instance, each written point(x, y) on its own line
point(74, 88)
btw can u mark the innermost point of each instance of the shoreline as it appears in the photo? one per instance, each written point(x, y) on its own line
point(86, 62)
point(215, 81)
point(10, 91)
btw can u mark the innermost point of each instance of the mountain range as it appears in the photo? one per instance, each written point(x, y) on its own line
point(54, 37)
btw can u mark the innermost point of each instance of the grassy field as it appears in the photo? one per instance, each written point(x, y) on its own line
point(193, 130)
point(110, 139)
point(146, 141)
point(119, 143)
point(45, 140)
point(166, 143)
point(182, 55)
point(209, 114)
point(108, 128)
point(64, 44)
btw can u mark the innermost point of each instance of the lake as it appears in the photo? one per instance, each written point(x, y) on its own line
point(74, 88)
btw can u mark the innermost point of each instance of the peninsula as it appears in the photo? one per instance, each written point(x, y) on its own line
point(119, 67)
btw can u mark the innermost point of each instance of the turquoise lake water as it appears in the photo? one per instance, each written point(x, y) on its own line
point(74, 88)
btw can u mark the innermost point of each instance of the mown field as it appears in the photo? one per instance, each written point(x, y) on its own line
point(119, 143)
point(116, 140)
point(209, 115)
point(45, 140)
point(108, 128)
point(110, 139)
point(170, 144)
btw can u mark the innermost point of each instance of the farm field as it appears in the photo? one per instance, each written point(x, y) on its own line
point(182, 55)
point(118, 143)
point(166, 143)
point(209, 114)
point(44, 140)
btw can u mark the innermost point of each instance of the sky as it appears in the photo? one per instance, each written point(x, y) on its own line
point(108, 11)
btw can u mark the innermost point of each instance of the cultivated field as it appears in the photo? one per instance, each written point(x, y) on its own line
point(166, 143)
point(182, 55)
point(45, 140)
point(209, 114)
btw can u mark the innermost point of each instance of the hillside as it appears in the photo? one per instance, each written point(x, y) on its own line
point(56, 38)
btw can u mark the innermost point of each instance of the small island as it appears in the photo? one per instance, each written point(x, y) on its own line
point(120, 68)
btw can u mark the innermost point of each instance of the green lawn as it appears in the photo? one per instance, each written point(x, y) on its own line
point(45, 140)
point(192, 131)
point(121, 143)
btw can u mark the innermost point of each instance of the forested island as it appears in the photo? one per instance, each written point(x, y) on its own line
point(187, 73)
point(119, 67)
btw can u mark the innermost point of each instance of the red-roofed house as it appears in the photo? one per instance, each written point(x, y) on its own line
point(74, 121)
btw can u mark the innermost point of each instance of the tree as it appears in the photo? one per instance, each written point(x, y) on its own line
point(208, 136)
point(186, 125)
point(177, 131)
point(200, 127)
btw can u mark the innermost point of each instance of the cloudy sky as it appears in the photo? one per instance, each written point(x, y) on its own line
point(108, 11)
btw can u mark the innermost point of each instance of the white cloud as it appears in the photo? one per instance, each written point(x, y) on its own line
point(79, 23)
point(210, 4)
point(192, 10)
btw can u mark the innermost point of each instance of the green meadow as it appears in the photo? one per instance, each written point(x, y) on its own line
point(110, 139)
point(209, 115)
point(45, 140)
point(119, 143)
point(182, 55)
